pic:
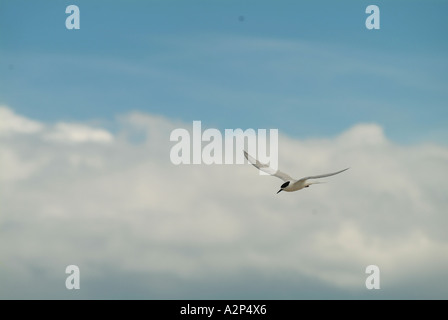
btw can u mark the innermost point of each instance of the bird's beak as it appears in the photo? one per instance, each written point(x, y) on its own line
point(279, 191)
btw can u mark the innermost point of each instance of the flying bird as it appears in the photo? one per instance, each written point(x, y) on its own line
point(290, 184)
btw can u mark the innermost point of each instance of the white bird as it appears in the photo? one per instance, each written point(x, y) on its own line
point(290, 184)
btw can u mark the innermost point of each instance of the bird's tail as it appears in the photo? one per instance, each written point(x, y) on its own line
point(316, 182)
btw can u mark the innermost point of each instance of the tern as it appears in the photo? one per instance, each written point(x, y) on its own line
point(290, 184)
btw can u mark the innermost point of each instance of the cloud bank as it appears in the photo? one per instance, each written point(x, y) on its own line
point(140, 227)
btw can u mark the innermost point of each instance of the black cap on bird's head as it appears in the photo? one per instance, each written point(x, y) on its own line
point(283, 186)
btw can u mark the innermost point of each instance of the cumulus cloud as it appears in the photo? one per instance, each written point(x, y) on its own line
point(12, 123)
point(68, 132)
point(122, 210)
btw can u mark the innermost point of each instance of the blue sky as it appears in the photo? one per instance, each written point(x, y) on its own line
point(307, 68)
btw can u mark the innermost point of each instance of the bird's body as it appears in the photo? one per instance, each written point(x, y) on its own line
point(294, 185)
point(290, 184)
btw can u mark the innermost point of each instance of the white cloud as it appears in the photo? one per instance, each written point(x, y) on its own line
point(69, 132)
point(12, 123)
point(123, 206)
point(16, 167)
point(363, 135)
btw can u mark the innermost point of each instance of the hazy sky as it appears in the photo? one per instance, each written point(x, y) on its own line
point(86, 178)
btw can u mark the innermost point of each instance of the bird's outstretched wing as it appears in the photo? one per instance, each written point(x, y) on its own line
point(322, 175)
point(265, 168)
